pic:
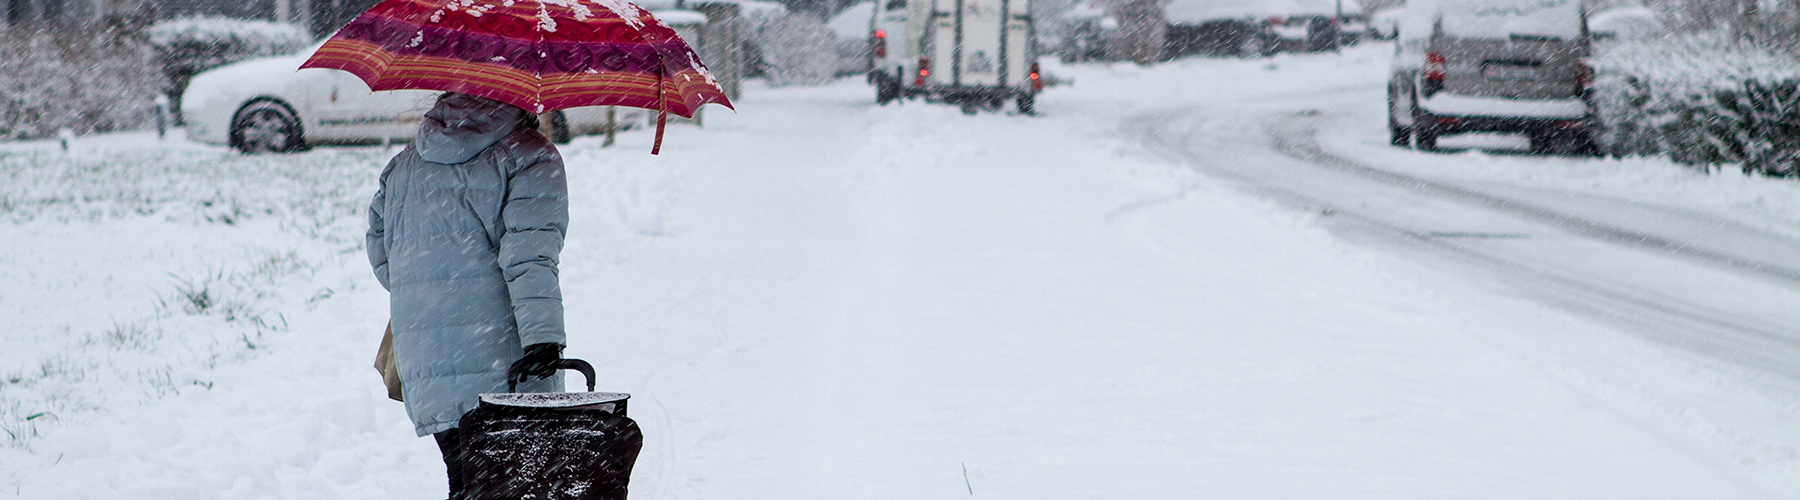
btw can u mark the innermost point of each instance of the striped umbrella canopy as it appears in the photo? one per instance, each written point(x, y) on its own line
point(539, 55)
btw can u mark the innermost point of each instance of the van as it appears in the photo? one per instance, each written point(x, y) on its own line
point(974, 53)
point(1512, 66)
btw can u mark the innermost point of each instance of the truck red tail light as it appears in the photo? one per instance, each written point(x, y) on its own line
point(1037, 79)
point(880, 46)
point(924, 72)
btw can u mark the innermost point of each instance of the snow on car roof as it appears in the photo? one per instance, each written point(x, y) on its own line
point(1089, 9)
point(1198, 11)
point(1493, 18)
point(679, 17)
point(853, 22)
point(750, 8)
point(1631, 23)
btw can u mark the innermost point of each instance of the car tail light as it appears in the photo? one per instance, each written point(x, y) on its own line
point(924, 71)
point(1037, 79)
point(1434, 74)
point(1584, 75)
point(1275, 21)
point(880, 48)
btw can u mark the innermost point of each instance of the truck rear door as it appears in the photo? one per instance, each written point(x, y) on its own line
point(1018, 56)
point(970, 45)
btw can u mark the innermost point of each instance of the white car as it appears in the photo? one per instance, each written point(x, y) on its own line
point(270, 105)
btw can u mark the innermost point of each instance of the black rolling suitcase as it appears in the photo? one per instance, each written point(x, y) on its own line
point(549, 446)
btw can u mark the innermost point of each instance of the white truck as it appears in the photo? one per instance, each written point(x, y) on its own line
point(974, 53)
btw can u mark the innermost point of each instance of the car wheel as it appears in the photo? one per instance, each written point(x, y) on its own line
point(1252, 46)
point(970, 107)
point(266, 127)
point(1398, 135)
point(1424, 136)
point(1028, 104)
point(886, 89)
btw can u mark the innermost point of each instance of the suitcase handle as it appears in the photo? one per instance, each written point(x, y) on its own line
point(512, 380)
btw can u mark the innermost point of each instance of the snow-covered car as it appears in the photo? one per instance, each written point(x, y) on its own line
point(1310, 33)
point(1251, 28)
point(1221, 37)
point(269, 105)
point(1385, 24)
point(1512, 66)
point(1626, 23)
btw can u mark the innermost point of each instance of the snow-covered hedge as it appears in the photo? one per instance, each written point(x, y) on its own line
point(187, 46)
point(1703, 100)
point(794, 49)
point(87, 78)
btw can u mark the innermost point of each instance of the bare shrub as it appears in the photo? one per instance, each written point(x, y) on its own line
point(796, 49)
point(91, 78)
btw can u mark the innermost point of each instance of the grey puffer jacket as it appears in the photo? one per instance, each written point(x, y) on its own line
point(465, 233)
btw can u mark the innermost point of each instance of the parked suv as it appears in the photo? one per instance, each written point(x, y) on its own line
point(1493, 66)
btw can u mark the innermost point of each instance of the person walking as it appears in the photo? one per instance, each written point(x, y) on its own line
point(465, 233)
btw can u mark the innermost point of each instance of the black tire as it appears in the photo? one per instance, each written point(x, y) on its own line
point(1424, 136)
point(1028, 104)
point(1424, 139)
point(970, 107)
point(1397, 135)
point(1252, 46)
point(886, 90)
point(266, 126)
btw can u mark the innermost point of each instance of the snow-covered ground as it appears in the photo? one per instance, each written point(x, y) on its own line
point(821, 298)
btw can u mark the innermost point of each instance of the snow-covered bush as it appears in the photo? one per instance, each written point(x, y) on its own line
point(87, 78)
point(795, 49)
point(1702, 99)
point(187, 46)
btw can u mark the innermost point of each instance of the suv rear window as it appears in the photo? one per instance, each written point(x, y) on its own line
point(1497, 19)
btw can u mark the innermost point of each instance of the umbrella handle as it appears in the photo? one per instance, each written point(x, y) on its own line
point(662, 118)
point(662, 109)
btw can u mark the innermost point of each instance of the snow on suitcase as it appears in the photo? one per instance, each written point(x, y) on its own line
point(549, 446)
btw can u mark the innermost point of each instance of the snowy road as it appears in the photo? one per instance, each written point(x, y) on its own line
point(1195, 280)
point(1682, 277)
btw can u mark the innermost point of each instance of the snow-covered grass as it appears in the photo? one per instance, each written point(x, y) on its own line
point(134, 271)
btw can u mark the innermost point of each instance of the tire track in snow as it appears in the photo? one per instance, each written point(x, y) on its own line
point(1300, 142)
point(1196, 137)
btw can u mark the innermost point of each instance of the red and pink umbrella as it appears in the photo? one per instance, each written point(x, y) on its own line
point(540, 55)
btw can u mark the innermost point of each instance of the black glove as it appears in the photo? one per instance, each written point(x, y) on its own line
point(539, 362)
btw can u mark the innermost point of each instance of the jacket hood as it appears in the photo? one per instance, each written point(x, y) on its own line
point(461, 126)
